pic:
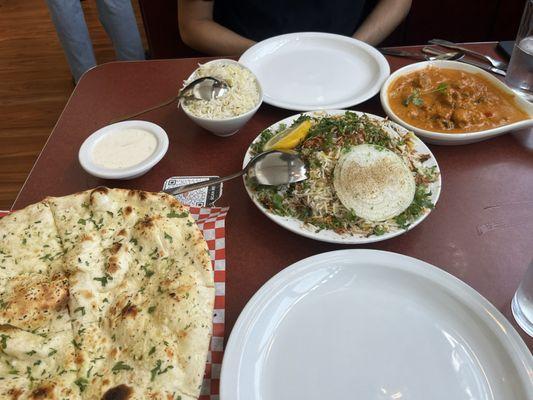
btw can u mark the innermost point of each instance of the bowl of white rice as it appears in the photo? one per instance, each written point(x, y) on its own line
point(226, 115)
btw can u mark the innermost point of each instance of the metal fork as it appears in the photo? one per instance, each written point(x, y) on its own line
point(450, 45)
point(486, 67)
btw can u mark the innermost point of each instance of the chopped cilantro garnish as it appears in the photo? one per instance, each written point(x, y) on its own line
point(174, 214)
point(81, 310)
point(104, 279)
point(81, 383)
point(3, 340)
point(147, 272)
point(120, 366)
point(157, 369)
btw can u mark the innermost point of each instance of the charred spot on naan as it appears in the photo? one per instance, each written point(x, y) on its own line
point(141, 194)
point(15, 393)
point(120, 392)
point(115, 247)
point(112, 266)
point(101, 190)
point(78, 359)
point(180, 292)
point(44, 391)
point(129, 310)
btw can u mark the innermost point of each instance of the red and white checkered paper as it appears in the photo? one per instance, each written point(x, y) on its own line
point(211, 222)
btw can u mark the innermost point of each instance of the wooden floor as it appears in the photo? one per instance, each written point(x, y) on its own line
point(35, 84)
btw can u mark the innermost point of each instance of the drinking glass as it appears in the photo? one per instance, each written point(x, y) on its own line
point(522, 303)
point(520, 71)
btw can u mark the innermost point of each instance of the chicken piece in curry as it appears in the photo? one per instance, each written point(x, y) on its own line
point(452, 101)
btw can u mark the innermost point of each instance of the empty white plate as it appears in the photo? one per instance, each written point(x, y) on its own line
point(366, 324)
point(312, 71)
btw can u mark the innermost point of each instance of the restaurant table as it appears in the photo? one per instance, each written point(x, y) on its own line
point(481, 230)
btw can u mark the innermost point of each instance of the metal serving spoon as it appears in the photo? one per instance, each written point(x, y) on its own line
point(206, 88)
point(271, 168)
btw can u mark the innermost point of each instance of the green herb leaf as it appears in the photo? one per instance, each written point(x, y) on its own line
point(104, 279)
point(442, 87)
point(414, 98)
point(81, 310)
point(3, 340)
point(157, 369)
point(81, 383)
point(120, 366)
point(174, 214)
point(147, 272)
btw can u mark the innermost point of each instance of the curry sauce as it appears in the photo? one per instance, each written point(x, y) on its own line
point(452, 101)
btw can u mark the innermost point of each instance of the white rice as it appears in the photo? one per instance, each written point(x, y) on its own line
point(242, 96)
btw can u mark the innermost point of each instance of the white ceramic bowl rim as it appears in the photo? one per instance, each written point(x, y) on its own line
point(85, 153)
point(236, 117)
point(523, 104)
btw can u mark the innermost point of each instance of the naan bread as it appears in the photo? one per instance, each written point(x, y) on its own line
point(140, 293)
point(37, 358)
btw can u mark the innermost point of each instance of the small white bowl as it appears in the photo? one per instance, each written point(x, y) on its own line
point(225, 126)
point(455, 138)
point(86, 149)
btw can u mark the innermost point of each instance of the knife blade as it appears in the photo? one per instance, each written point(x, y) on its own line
point(401, 53)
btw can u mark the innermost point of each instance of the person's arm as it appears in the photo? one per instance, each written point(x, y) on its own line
point(199, 31)
point(385, 17)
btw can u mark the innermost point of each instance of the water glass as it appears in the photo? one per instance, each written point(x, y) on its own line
point(522, 304)
point(520, 72)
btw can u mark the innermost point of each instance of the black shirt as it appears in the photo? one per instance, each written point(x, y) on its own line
point(261, 19)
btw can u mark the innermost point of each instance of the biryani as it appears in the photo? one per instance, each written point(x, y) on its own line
point(243, 94)
point(316, 202)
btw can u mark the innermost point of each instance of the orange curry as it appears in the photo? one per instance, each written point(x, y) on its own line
point(452, 101)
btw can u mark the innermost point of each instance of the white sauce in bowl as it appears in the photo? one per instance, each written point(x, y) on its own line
point(124, 148)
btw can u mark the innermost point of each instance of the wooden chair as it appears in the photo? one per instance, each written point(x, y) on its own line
point(160, 19)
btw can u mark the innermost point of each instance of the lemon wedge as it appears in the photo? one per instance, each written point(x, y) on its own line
point(289, 138)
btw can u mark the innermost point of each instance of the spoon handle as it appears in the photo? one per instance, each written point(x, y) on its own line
point(125, 117)
point(199, 185)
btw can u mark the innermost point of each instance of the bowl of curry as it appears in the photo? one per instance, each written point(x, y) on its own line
point(448, 102)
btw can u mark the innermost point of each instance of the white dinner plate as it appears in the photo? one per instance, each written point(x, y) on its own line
point(325, 235)
point(312, 71)
point(367, 324)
